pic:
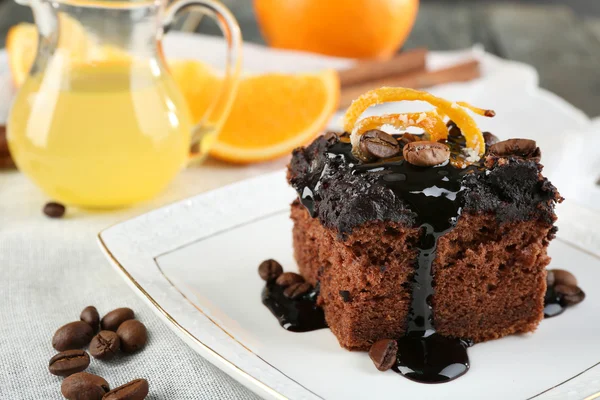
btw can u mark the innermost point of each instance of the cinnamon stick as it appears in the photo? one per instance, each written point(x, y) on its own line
point(420, 79)
point(401, 63)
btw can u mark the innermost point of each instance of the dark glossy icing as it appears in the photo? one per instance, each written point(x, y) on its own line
point(301, 315)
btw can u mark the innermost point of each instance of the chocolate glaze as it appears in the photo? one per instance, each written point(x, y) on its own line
point(343, 198)
point(300, 315)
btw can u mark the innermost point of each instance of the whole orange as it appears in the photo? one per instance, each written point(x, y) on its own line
point(345, 28)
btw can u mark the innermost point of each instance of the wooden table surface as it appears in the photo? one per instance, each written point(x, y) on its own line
point(563, 46)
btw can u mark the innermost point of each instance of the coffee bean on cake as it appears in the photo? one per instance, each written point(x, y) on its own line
point(73, 335)
point(68, 362)
point(90, 316)
point(490, 138)
point(383, 354)
point(112, 320)
point(269, 270)
point(84, 386)
point(288, 278)
point(426, 153)
point(297, 290)
point(569, 294)
point(134, 390)
point(522, 148)
point(105, 345)
point(133, 336)
point(376, 144)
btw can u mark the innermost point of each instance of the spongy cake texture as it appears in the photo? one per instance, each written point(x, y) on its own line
point(360, 244)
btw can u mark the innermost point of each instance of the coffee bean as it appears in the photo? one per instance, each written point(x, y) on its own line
point(523, 148)
point(54, 210)
point(287, 278)
point(112, 320)
point(562, 277)
point(296, 290)
point(407, 138)
point(550, 278)
point(269, 270)
point(90, 316)
point(383, 354)
point(68, 362)
point(84, 386)
point(133, 335)
point(490, 139)
point(105, 345)
point(378, 144)
point(569, 295)
point(134, 390)
point(425, 153)
point(73, 335)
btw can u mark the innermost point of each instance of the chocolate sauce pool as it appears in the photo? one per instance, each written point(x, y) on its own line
point(301, 315)
point(434, 196)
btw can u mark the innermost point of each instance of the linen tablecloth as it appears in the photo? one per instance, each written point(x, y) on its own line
point(52, 269)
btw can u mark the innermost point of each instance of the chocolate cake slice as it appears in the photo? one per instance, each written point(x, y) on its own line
point(445, 250)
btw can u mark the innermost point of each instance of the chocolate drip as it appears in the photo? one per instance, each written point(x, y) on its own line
point(300, 315)
point(433, 194)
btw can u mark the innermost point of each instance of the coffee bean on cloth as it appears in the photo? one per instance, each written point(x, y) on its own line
point(68, 362)
point(90, 316)
point(73, 335)
point(105, 345)
point(133, 335)
point(112, 320)
point(134, 390)
point(84, 386)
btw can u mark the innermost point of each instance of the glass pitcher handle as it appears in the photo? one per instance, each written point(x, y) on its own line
point(204, 131)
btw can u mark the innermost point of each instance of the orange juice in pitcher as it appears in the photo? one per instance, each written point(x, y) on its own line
point(100, 122)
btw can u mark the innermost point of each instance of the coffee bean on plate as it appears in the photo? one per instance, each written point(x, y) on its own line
point(378, 144)
point(269, 270)
point(523, 148)
point(134, 390)
point(73, 335)
point(68, 362)
point(569, 295)
point(562, 277)
point(383, 354)
point(133, 335)
point(426, 153)
point(54, 210)
point(296, 290)
point(84, 386)
point(287, 278)
point(105, 345)
point(112, 320)
point(90, 316)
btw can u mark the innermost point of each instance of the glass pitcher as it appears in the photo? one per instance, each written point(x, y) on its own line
point(99, 122)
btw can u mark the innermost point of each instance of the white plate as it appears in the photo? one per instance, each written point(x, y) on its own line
point(195, 263)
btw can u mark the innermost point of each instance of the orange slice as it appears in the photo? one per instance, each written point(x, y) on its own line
point(271, 115)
